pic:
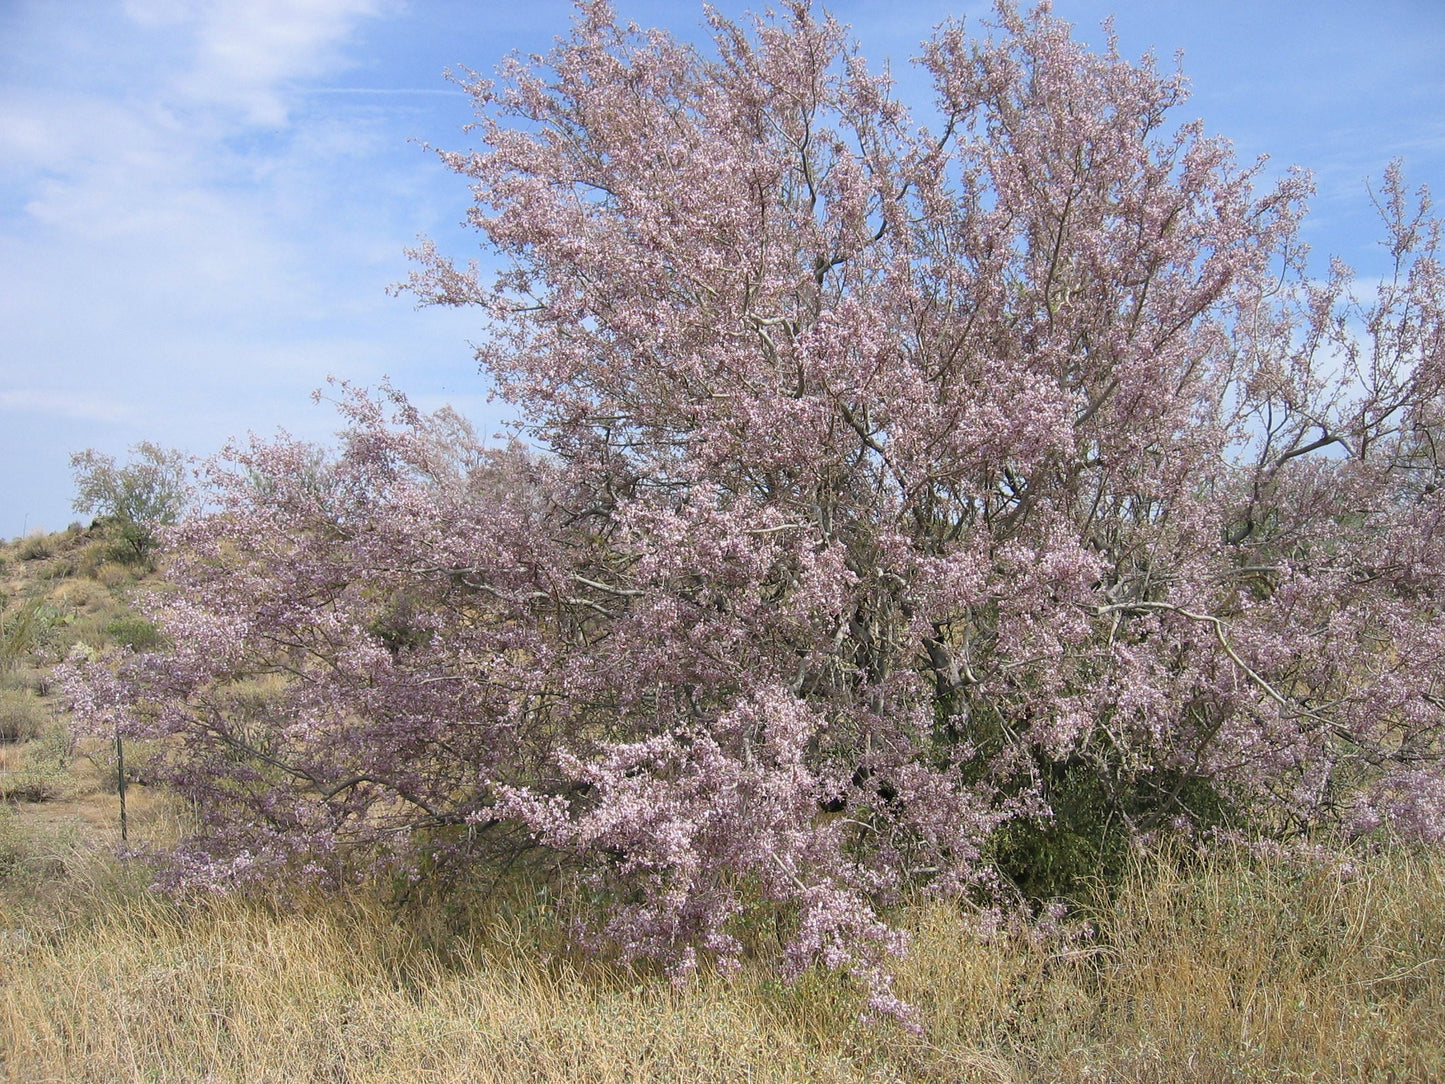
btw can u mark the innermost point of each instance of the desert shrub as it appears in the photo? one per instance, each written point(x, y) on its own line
point(112, 573)
point(18, 633)
point(82, 595)
point(14, 849)
point(33, 628)
point(58, 568)
point(138, 499)
point(922, 512)
point(44, 774)
point(21, 715)
point(36, 547)
point(133, 632)
point(34, 679)
point(92, 556)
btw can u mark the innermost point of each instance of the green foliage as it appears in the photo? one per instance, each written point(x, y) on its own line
point(21, 715)
point(134, 632)
point(37, 547)
point(45, 772)
point(32, 629)
point(1092, 836)
point(140, 497)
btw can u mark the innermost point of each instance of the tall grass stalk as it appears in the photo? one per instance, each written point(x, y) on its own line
point(1238, 969)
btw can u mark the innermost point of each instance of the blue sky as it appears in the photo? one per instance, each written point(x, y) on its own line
point(203, 201)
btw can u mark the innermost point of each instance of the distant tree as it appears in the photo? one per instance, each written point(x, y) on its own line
point(926, 510)
point(147, 493)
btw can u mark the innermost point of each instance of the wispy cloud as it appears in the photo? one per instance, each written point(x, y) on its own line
point(389, 90)
point(59, 405)
point(201, 201)
point(245, 55)
point(172, 236)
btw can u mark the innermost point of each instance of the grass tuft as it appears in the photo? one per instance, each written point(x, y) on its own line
point(1240, 969)
point(22, 716)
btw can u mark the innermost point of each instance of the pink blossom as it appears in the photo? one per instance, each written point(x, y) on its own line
point(889, 472)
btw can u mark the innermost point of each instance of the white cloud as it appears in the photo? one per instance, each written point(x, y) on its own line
point(62, 405)
point(247, 52)
point(167, 251)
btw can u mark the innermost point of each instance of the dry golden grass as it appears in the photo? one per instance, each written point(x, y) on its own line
point(1237, 970)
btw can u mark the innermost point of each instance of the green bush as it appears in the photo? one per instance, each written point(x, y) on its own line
point(35, 679)
point(136, 633)
point(1090, 839)
point(58, 569)
point(37, 547)
point(22, 715)
point(31, 629)
point(45, 774)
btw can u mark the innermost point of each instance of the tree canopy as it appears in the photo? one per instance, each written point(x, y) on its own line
point(147, 493)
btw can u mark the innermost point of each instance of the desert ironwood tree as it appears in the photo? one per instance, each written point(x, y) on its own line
point(905, 494)
point(146, 494)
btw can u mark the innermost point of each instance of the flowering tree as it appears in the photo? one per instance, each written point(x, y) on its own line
point(904, 485)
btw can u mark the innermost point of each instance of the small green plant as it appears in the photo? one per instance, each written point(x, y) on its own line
point(134, 632)
point(32, 629)
point(13, 848)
